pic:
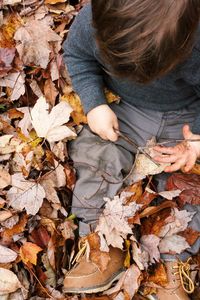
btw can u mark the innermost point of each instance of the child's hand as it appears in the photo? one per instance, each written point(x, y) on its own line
point(103, 121)
point(183, 155)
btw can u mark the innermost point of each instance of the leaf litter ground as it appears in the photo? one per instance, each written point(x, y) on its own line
point(39, 114)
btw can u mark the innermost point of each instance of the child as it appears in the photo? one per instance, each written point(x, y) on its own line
point(148, 53)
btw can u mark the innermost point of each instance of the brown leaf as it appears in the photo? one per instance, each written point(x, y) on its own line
point(146, 198)
point(28, 252)
point(100, 258)
point(159, 275)
point(13, 113)
point(70, 176)
point(189, 184)
point(18, 228)
point(137, 191)
point(155, 222)
point(7, 31)
point(154, 209)
point(190, 235)
point(40, 236)
point(50, 92)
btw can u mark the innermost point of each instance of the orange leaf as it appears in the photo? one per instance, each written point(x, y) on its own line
point(78, 115)
point(137, 191)
point(159, 275)
point(190, 235)
point(28, 253)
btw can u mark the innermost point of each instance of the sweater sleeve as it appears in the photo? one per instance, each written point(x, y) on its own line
point(79, 56)
point(192, 77)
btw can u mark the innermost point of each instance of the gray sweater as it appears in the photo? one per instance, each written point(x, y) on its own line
point(174, 91)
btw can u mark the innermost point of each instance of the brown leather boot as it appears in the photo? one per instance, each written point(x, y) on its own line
point(85, 276)
point(180, 283)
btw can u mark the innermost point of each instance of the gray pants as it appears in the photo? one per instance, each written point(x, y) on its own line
point(101, 165)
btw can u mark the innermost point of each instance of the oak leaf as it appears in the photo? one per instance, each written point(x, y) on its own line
point(28, 252)
point(25, 194)
point(50, 125)
point(9, 282)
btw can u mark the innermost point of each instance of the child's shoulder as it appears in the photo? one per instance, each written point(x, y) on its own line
point(85, 15)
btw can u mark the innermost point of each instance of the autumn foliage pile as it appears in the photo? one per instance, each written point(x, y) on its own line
point(39, 114)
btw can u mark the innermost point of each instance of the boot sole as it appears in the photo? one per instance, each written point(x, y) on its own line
point(97, 288)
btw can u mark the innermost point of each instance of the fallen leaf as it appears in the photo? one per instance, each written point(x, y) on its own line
point(25, 194)
point(16, 229)
point(5, 178)
point(169, 195)
point(78, 115)
point(50, 92)
point(189, 184)
point(6, 58)
point(35, 88)
point(176, 222)
point(129, 282)
point(159, 276)
point(28, 252)
point(173, 244)
point(9, 282)
point(190, 235)
point(111, 97)
point(150, 244)
point(113, 222)
point(4, 215)
point(14, 113)
point(54, 130)
point(98, 257)
point(7, 255)
point(16, 82)
point(33, 42)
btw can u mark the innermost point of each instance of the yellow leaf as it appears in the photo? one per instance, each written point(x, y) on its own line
point(111, 97)
point(78, 115)
point(127, 261)
point(7, 31)
point(28, 252)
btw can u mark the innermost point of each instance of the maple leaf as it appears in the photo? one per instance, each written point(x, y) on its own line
point(7, 255)
point(113, 222)
point(28, 252)
point(176, 222)
point(173, 244)
point(25, 194)
point(150, 244)
point(6, 58)
point(16, 82)
point(78, 115)
point(33, 42)
point(129, 282)
point(50, 125)
point(9, 282)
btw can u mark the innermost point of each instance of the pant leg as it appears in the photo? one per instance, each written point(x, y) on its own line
point(94, 159)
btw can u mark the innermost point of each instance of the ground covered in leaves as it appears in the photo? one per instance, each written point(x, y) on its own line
point(39, 114)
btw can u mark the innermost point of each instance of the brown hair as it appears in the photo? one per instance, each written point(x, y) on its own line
point(144, 39)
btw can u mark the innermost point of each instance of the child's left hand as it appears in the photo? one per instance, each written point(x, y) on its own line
point(183, 155)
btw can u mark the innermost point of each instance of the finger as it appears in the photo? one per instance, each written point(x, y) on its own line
point(112, 135)
point(116, 125)
point(167, 158)
point(176, 166)
point(190, 163)
point(187, 133)
point(165, 150)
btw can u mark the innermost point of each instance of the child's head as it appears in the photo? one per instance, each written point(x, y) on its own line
point(144, 39)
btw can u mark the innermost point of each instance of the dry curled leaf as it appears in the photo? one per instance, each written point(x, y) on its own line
point(7, 255)
point(9, 282)
point(173, 244)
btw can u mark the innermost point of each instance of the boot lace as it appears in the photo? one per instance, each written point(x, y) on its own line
point(183, 270)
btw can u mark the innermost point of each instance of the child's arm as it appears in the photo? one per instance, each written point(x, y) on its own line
point(183, 155)
point(86, 75)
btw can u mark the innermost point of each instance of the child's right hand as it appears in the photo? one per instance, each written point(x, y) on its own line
point(103, 121)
